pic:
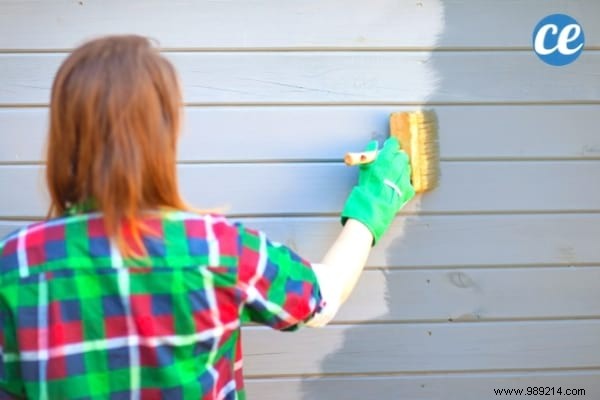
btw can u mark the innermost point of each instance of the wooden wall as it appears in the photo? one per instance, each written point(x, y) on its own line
point(491, 281)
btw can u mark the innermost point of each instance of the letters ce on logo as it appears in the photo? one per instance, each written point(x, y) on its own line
point(558, 39)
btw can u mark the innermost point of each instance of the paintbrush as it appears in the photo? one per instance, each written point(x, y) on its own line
point(417, 132)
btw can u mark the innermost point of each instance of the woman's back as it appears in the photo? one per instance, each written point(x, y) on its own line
point(81, 321)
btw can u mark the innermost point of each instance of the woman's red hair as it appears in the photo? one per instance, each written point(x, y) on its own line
point(114, 124)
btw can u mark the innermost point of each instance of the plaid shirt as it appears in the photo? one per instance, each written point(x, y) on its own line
point(79, 321)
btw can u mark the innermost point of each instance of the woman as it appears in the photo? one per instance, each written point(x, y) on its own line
point(127, 292)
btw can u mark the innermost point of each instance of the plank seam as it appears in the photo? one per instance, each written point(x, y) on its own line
point(326, 216)
point(446, 323)
point(326, 105)
point(426, 373)
point(357, 104)
point(339, 161)
point(456, 321)
point(336, 214)
point(308, 49)
point(384, 375)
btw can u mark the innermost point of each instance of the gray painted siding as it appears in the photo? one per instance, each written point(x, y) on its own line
point(256, 78)
point(564, 130)
point(490, 281)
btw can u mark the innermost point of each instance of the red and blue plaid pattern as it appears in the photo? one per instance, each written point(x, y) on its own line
point(80, 321)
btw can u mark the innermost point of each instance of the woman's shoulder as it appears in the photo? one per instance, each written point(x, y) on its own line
point(21, 231)
point(190, 224)
point(38, 233)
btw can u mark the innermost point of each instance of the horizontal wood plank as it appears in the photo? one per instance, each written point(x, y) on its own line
point(459, 240)
point(474, 294)
point(439, 241)
point(279, 133)
point(423, 347)
point(306, 188)
point(424, 387)
point(45, 24)
point(341, 77)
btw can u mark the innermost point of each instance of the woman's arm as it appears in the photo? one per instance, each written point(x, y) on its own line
point(384, 188)
point(340, 269)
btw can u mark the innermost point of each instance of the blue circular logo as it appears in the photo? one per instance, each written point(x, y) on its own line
point(558, 39)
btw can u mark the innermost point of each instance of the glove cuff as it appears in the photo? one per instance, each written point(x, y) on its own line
point(376, 214)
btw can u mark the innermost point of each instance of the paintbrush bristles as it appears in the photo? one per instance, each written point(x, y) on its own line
point(418, 135)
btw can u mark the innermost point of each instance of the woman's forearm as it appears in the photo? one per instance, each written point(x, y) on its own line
point(341, 267)
point(348, 255)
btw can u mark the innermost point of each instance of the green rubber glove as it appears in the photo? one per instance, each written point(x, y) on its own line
point(383, 189)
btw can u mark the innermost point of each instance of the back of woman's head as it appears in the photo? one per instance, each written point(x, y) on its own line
point(114, 125)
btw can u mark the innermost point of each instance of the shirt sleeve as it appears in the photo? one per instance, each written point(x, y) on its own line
point(279, 288)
